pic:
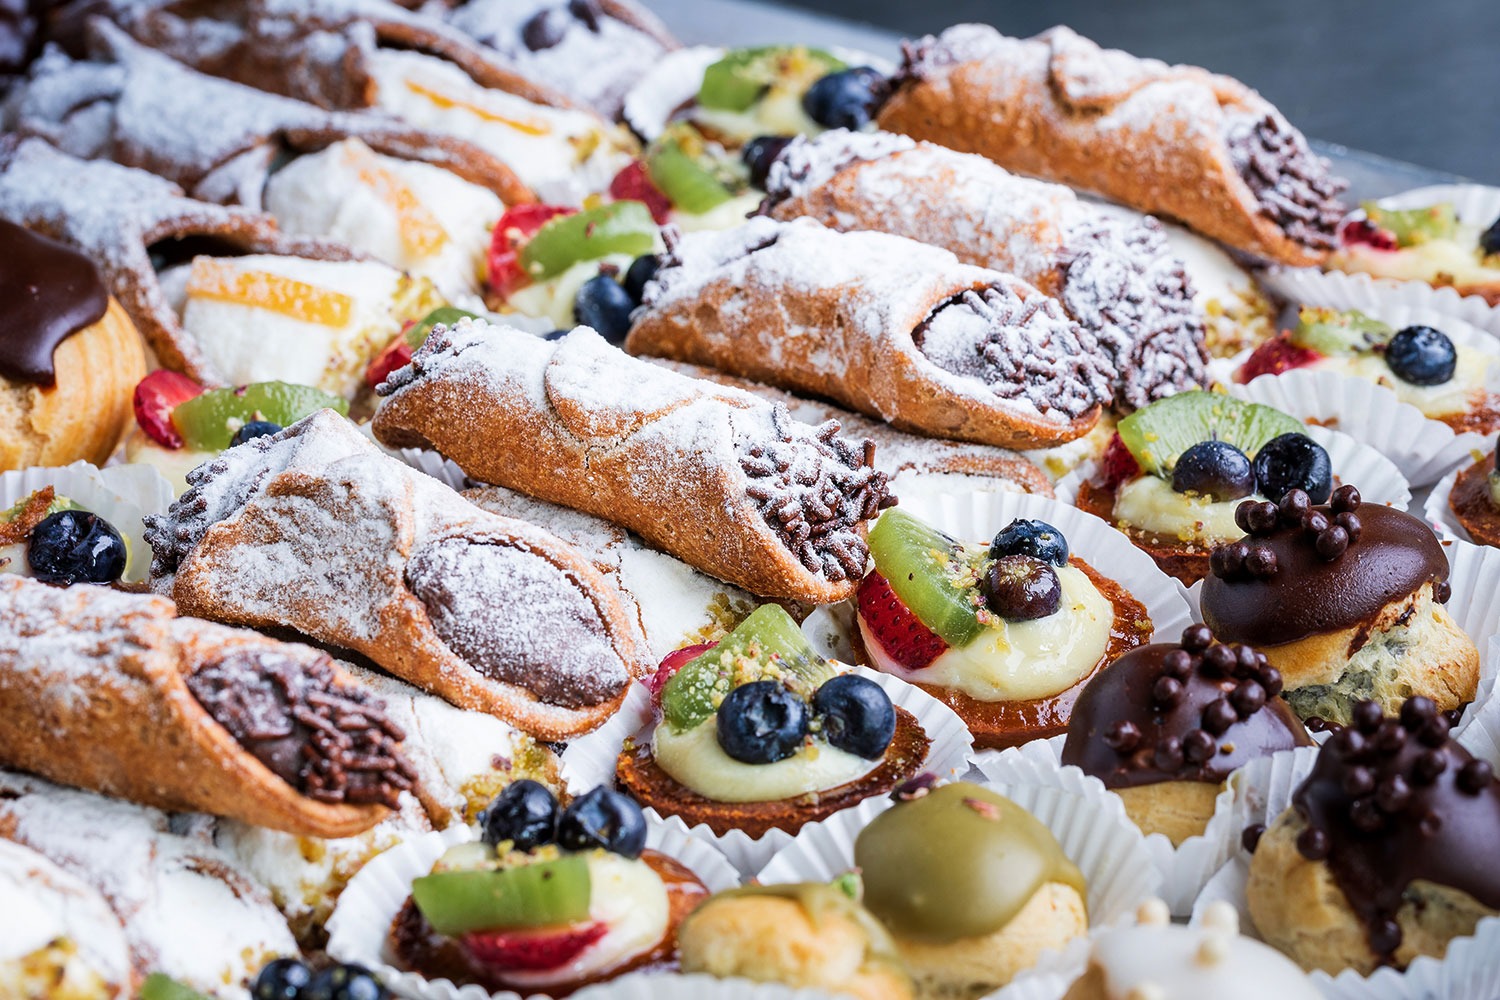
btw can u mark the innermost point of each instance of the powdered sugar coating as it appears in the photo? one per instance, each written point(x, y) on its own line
point(808, 162)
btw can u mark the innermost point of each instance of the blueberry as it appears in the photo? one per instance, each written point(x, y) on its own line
point(74, 546)
point(759, 153)
point(281, 979)
point(1025, 537)
point(555, 334)
point(344, 982)
point(587, 11)
point(525, 813)
point(252, 430)
point(858, 716)
point(846, 99)
point(603, 818)
point(1020, 588)
point(1421, 355)
point(603, 304)
point(1293, 462)
point(1489, 240)
point(1214, 469)
point(761, 722)
point(641, 270)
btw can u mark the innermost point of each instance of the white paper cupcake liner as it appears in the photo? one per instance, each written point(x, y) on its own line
point(357, 929)
point(121, 494)
point(592, 760)
point(1184, 869)
point(655, 986)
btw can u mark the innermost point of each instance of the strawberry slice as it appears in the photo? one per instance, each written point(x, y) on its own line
point(1275, 356)
point(518, 225)
point(157, 395)
point(901, 635)
point(1118, 465)
point(532, 950)
point(1361, 231)
point(397, 354)
point(633, 183)
point(673, 662)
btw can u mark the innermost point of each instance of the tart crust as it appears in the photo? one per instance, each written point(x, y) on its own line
point(1185, 561)
point(1470, 502)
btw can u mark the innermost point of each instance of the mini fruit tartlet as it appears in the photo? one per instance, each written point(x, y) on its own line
point(548, 900)
point(972, 887)
point(1381, 855)
point(53, 539)
point(1005, 634)
point(1175, 471)
point(1475, 500)
point(1165, 725)
point(692, 181)
point(1346, 601)
point(758, 732)
point(1421, 364)
point(1430, 244)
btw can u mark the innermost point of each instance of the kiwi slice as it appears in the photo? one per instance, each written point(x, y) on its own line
point(1334, 332)
point(59, 503)
point(767, 643)
point(542, 894)
point(208, 422)
point(738, 80)
point(677, 165)
point(620, 227)
point(921, 564)
point(1156, 435)
point(446, 315)
point(1414, 226)
point(160, 986)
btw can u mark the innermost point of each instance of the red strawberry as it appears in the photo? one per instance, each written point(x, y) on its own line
point(1361, 231)
point(901, 635)
point(532, 950)
point(1118, 465)
point(634, 184)
point(673, 662)
point(1273, 357)
point(518, 225)
point(156, 397)
point(397, 354)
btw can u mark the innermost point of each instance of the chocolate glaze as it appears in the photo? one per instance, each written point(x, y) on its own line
point(330, 741)
point(1194, 711)
point(1389, 556)
point(1390, 802)
point(50, 292)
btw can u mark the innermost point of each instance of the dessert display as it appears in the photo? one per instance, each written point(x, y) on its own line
point(1176, 141)
point(1421, 364)
point(884, 325)
point(1475, 500)
point(757, 732)
point(1374, 862)
point(1165, 725)
point(1430, 244)
point(1174, 474)
point(1005, 633)
point(972, 887)
point(1346, 601)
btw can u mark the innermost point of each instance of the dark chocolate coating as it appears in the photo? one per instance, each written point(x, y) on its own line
point(1395, 556)
point(1390, 802)
point(1138, 722)
point(49, 292)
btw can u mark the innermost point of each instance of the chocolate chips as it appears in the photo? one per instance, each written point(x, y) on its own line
point(1293, 185)
point(331, 742)
point(1254, 560)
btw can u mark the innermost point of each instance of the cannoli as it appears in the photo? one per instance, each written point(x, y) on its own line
point(313, 529)
point(728, 483)
point(1176, 141)
point(217, 139)
point(114, 693)
point(1116, 278)
point(887, 326)
point(188, 910)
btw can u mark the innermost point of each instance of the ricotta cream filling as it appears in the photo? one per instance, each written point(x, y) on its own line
point(552, 299)
point(778, 113)
point(726, 216)
point(1457, 261)
point(1453, 396)
point(1150, 504)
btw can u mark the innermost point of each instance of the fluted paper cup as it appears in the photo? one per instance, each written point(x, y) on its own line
point(655, 986)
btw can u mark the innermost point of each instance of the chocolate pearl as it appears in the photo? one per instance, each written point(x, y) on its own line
point(1261, 516)
point(1428, 766)
point(1166, 692)
point(1315, 522)
point(1393, 794)
point(1430, 824)
point(1178, 663)
point(1416, 711)
point(1250, 836)
point(587, 11)
point(1385, 936)
point(1358, 781)
point(1350, 742)
point(1261, 562)
point(1198, 746)
point(1312, 844)
point(1294, 506)
point(1196, 638)
point(1122, 737)
point(1317, 724)
point(1434, 733)
point(1242, 516)
point(1475, 776)
point(1218, 716)
point(1248, 698)
point(1332, 543)
point(1351, 525)
point(1441, 591)
point(544, 30)
point(1217, 661)
point(1249, 661)
point(1345, 499)
point(1366, 716)
point(1390, 737)
point(1270, 679)
point(1168, 755)
point(1366, 816)
point(1228, 561)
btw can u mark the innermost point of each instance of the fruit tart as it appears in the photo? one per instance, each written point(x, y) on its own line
point(548, 900)
point(1444, 377)
point(693, 181)
point(1431, 244)
point(1005, 634)
point(1173, 474)
point(52, 538)
point(757, 732)
point(1475, 500)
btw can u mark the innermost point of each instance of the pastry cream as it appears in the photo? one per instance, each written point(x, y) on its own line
point(552, 299)
point(726, 216)
point(1150, 504)
point(778, 113)
point(1453, 396)
point(1456, 260)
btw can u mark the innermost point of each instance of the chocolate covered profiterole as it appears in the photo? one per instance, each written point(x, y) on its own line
point(69, 356)
point(1388, 851)
point(1165, 725)
point(1345, 600)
